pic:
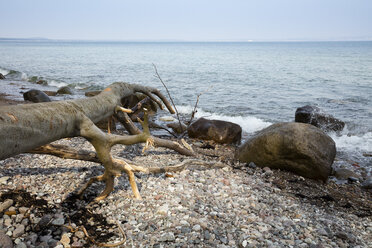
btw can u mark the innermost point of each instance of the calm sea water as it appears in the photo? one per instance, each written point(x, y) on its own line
point(252, 84)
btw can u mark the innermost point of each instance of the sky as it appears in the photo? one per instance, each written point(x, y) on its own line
point(187, 20)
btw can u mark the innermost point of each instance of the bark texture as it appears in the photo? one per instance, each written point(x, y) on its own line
point(27, 127)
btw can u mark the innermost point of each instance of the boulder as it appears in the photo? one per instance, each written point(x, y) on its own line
point(36, 96)
point(297, 147)
point(2, 76)
point(314, 116)
point(219, 131)
point(65, 90)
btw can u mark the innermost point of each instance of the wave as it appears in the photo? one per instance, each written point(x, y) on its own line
point(353, 143)
point(249, 124)
point(4, 71)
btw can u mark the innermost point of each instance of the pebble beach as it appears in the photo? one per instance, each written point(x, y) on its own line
point(233, 205)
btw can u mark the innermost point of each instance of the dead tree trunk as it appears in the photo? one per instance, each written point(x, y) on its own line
point(26, 127)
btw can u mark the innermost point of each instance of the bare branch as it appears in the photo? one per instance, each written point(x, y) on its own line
point(170, 97)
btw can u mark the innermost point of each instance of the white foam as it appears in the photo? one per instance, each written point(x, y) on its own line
point(24, 76)
point(55, 83)
point(353, 143)
point(249, 124)
point(4, 71)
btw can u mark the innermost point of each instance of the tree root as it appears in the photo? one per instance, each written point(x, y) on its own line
point(133, 130)
point(118, 165)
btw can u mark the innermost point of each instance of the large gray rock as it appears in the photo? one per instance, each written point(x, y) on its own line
point(36, 96)
point(297, 147)
point(314, 116)
point(220, 131)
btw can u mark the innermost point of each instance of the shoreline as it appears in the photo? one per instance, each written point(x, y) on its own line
point(209, 207)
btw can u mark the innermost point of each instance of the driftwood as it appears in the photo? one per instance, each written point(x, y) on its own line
point(27, 127)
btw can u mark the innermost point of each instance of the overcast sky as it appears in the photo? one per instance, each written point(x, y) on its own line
point(189, 20)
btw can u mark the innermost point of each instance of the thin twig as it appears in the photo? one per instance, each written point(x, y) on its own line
point(170, 97)
point(194, 110)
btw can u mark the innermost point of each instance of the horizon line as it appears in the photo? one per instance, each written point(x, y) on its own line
point(184, 40)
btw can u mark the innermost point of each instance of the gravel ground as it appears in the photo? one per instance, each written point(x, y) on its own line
point(233, 206)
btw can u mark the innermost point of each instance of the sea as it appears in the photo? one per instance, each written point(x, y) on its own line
point(253, 84)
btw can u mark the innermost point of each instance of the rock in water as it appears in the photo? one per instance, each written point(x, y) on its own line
point(220, 131)
point(65, 90)
point(297, 147)
point(42, 82)
point(314, 116)
point(36, 96)
point(2, 76)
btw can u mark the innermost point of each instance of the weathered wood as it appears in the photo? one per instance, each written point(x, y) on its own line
point(28, 126)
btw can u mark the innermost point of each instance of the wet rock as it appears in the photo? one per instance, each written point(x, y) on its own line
point(36, 96)
point(6, 204)
point(65, 90)
point(2, 76)
point(314, 116)
point(296, 147)
point(5, 240)
point(219, 131)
